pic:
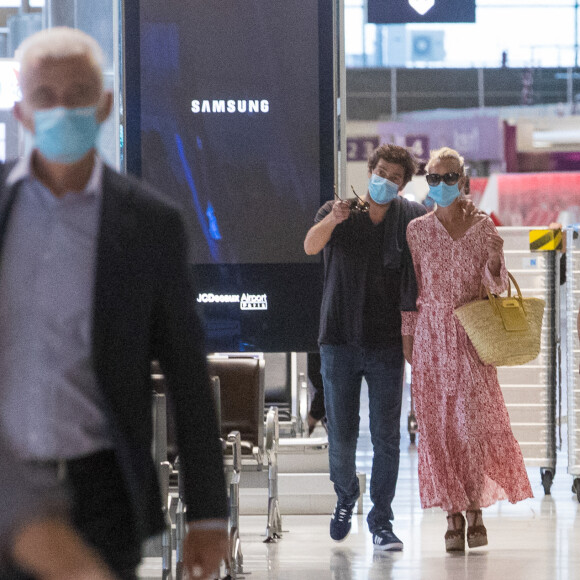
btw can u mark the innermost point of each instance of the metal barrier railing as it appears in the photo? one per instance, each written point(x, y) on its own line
point(530, 390)
point(573, 354)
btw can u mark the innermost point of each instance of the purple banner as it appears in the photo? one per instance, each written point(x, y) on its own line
point(476, 138)
point(360, 148)
point(418, 145)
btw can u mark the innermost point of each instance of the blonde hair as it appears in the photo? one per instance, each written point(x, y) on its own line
point(59, 43)
point(446, 153)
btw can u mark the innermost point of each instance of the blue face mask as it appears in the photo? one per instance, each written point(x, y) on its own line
point(65, 135)
point(382, 190)
point(443, 194)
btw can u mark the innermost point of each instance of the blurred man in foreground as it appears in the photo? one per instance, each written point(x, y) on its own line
point(94, 285)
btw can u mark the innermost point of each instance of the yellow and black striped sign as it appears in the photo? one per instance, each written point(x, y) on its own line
point(543, 240)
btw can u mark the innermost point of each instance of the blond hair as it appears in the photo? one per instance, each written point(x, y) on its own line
point(59, 43)
point(446, 153)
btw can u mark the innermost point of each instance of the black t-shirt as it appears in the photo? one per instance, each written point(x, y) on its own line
point(381, 315)
point(368, 277)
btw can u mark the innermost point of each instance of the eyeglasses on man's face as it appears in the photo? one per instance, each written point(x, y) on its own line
point(449, 178)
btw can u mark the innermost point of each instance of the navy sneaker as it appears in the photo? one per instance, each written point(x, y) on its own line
point(340, 521)
point(385, 540)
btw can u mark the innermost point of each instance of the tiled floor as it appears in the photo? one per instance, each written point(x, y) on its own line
point(538, 539)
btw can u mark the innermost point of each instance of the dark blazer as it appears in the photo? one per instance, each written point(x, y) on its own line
point(144, 310)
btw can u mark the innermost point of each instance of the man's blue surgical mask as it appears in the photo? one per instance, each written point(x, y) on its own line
point(65, 135)
point(382, 190)
point(443, 194)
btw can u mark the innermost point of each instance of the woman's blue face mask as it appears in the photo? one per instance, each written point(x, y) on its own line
point(382, 190)
point(444, 195)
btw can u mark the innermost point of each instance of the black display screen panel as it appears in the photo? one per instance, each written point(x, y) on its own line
point(230, 114)
point(411, 11)
point(230, 122)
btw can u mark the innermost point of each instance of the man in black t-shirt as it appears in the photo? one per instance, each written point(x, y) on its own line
point(368, 280)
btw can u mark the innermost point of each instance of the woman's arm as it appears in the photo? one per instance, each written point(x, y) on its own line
point(408, 341)
point(409, 317)
point(495, 274)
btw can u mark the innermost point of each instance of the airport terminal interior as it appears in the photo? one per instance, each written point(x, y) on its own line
point(279, 110)
point(536, 539)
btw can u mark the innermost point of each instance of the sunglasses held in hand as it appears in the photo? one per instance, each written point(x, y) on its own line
point(357, 204)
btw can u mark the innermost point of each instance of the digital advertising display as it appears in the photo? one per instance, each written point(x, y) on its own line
point(230, 113)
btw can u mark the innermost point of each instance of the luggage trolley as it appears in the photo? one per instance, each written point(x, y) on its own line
point(573, 354)
point(530, 390)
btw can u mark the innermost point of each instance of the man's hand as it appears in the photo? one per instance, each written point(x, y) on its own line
point(319, 234)
point(50, 549)
point(204, 551)
point(408, 348)
point(340, 211)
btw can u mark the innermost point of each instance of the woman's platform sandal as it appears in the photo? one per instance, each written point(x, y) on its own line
point(455, 538)
point(476, 533)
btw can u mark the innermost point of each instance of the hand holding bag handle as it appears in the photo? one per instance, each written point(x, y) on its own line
point(510, 309)
point(504, 331)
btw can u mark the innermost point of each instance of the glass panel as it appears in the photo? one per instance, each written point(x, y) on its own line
point(353, 38)
point(543, 37)
point(99, 19)
point(372, 50)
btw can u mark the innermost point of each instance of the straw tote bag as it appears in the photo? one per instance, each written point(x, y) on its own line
point(504, 331)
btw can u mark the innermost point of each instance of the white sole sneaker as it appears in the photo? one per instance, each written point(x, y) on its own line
point(394, 547)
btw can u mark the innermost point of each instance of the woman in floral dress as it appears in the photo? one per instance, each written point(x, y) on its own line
point(468, 456)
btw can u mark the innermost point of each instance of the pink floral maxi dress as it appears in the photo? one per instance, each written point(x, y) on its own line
point(467, 451)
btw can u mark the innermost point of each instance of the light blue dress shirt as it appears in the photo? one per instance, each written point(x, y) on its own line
point(52, 407)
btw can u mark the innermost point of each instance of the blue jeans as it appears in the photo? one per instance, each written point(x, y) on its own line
point(343, 368)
